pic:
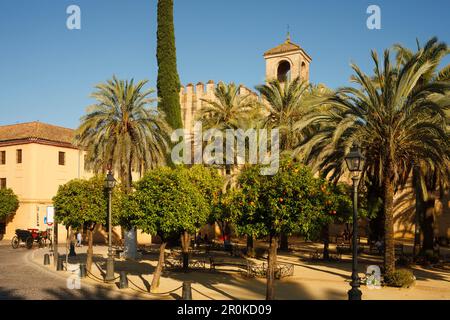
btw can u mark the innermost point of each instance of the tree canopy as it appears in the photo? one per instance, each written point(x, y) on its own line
point(81, 201)
point(9, 203)
point(167, 203)
point(168, 82)
point(292, 201)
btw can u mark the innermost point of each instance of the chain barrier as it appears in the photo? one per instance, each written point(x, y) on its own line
point(201, 293)
point(153, 293)
point(139, 289)
point(100, 279)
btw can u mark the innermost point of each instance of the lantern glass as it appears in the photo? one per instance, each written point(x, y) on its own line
point(355, 160)
point(110, 182)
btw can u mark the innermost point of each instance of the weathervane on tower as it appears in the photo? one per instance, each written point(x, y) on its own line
point(288, 36)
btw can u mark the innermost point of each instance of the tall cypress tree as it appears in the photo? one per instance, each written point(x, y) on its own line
point(168, 84)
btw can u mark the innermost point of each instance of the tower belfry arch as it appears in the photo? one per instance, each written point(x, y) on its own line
point(287, 61)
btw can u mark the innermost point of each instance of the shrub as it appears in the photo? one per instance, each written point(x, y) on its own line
point(400, 278)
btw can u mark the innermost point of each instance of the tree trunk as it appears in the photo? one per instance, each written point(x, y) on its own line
point(157, 275)
point(427, 226)
point(271, 267)
point(419, 206)
point(326, 241)
point(222, 229)
point(284, 242)
point(250, 246)
point(185, 239)
point(130, 247)
point(90, 250)
point(389, 251)
point(130, 243)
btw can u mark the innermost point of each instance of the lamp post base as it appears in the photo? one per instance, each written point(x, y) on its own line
point(354, 294)
point(109, 268)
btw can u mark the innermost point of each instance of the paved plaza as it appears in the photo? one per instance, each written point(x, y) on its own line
point(23, 276)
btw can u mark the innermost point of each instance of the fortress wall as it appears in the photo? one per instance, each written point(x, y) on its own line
point(191, 99)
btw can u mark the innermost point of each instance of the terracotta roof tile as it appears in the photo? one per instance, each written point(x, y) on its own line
point(36, 130)
point(282, 48)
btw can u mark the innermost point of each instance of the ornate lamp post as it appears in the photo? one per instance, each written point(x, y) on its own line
point(110, 182)
point(355, 164)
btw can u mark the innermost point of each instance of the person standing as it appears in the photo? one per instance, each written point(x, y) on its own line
point(79, 239)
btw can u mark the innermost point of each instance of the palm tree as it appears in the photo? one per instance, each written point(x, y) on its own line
point(394, 118)
point(427, 177)
point(287, 102)
point(229, 109)
point(121, 132)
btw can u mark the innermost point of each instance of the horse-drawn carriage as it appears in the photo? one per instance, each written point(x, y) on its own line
point(29, 237)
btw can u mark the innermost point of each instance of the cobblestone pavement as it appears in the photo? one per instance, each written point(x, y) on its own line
point(20, 278)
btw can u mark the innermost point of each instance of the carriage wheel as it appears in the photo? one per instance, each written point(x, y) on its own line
point(15, 242)
point(29, 242)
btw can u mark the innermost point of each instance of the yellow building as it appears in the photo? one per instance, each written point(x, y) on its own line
point(35, 159)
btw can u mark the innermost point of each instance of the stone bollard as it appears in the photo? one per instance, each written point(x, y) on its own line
point(46, 259)
point(187, 291)
point(60, 265)
point(123, 284)
point(83, 272)
point(72, 252)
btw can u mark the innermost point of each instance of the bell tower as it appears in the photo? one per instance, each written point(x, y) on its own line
point(287, 61)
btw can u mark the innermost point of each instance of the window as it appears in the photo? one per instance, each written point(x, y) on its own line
point(19, 155)
point(2, 183)
point(62, 158)
point(2, 157)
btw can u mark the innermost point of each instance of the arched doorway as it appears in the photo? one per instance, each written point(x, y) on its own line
point(284, 71)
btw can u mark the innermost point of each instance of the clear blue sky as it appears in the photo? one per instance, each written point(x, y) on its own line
point(47, 71)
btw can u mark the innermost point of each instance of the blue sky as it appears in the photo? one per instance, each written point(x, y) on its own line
point(47, 71)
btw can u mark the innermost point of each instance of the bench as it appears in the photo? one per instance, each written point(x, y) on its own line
point(318, 255)
point(260, 270)
point(213, 263)
point(347, 249)
point(177, 263)
point(399, 249)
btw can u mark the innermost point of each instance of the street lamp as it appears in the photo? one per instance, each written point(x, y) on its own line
point(110, 182)
point(355, 164)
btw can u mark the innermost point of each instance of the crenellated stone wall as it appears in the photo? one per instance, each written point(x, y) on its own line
point(191, 99)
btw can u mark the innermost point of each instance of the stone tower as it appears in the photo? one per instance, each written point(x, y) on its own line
point(287, 61)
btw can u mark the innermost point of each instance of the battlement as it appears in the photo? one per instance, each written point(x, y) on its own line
point(191, 99)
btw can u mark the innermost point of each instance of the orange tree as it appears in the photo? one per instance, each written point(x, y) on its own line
point(167, 203)
point(9, 203)
point(291, 201)
point(82, 203)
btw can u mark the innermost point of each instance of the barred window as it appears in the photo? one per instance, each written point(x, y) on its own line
point(19, 155)
point(62, 158)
